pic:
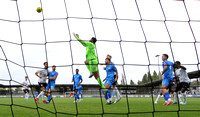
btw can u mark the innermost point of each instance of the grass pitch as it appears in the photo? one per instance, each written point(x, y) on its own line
point(64, 107)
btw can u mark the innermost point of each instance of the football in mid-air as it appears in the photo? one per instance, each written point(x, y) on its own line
point(39, 9)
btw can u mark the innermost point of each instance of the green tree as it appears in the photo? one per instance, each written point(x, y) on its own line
point(144, 79)
point(155, 76)
point(139, 82)
point(149, 77)
point(131, 82)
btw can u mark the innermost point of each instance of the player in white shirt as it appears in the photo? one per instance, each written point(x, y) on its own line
point(184, 81)
point(42, 74)
point(25, 86)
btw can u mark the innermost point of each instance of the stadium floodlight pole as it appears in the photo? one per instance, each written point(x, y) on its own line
point(158, 66)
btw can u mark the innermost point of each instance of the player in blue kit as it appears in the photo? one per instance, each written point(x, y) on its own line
point(77, 79)
point(167, 77)
point(80, 93)
point(109, 80)
point(51, 83)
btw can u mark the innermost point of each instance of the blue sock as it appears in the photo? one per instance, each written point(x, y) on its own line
point(81, 96)
point(109, 93)
point(77, 96)
point(48, 98)
point(106, 97)
point(166, 96)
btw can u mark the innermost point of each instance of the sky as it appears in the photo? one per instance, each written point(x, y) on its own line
point(132, 31)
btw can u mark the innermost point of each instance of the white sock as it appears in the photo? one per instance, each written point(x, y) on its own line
point(41, 93)
point(184, 96)
point(175, 97)
point(158, 98)
point(179, 97)
point(117, 92)
point(108, 100)
point(111, 98)
point(26, 96)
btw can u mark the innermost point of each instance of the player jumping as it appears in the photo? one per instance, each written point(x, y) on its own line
point(51, 83)
point(91, 58)
point(25, 86)
point(184, 81)
point(171, 88)
point(42, 74)
point(77, 79)
point(110, 79)
point(115, 89)
point(167, 77)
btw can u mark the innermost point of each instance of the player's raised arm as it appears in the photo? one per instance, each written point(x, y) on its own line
point(84, 43)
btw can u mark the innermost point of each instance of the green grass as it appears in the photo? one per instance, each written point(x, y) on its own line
point(138, 107)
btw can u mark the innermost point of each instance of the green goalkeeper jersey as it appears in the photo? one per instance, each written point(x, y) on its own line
point(90, 49)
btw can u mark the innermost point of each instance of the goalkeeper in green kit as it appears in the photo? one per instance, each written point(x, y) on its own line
point(91, 58)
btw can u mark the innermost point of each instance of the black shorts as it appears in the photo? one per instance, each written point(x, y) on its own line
point(26, 91)
point(172, 87)
point(184, 85)
point(42, 84)
point(115, 83)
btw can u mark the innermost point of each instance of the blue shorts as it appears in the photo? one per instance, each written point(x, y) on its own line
point(166, 82)
point(109, 82)
point(77, 87)
point(79, 91)
point(50, 85)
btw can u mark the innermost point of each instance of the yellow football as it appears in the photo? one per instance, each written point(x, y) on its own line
point(39, 9)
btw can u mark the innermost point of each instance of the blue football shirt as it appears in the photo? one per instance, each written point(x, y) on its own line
point(52, 74)
point(169, 73)
point(77, 78)
point(110, 70)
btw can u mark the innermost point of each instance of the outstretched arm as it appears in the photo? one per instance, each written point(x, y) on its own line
point(84, 43)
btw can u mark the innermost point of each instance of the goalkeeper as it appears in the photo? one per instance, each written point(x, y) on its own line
point(91, 58)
